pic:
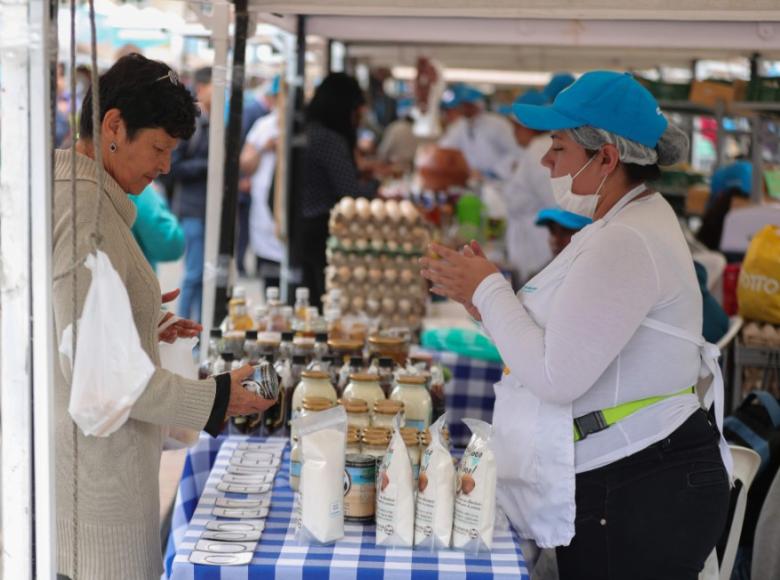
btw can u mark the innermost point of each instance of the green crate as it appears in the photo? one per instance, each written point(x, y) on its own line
point(667, 91)
point(764, 90)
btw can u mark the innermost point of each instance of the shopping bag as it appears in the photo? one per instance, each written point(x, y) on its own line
point(111, 369)
point(177, 358)
point(758, 292)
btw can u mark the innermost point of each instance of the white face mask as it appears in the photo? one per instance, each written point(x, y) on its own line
point(584, 205)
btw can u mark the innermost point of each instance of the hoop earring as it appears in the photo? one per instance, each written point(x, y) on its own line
point(112, 147)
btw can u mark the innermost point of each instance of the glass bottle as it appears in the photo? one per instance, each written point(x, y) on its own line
point(384, 413)
point(238, 311)
point(206, 369)
point(374, 442)
point(386, 368)
point(286, 346)
point(364, 386)
point(312, 404)
point(417, 400)
point(301, 303)
point(225, 363)
point(411, 438)
point(357, 413)
point(312, 384)
point(320, 345)
point(353, 441)
point(273, 312)
point(251, 348)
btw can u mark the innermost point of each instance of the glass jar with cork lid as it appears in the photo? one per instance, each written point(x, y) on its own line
point(388, 347)
point(312, 384)
point(364, 386)
point(343, 349)
point(357, 412)
point(353, 440)
point(374, 442)
point(385, 411)
point(418, 407)
point(411, 437)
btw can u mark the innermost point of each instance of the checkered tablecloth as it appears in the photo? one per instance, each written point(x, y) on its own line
point(278, 554)
point(469, 393)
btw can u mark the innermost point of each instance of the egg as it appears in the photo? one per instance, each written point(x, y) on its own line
point(347, 207)
point(407, 276)
point(405, 305)
point(378, 209)
point(358, 304)
point(392, 245)
point(377, 244)
point(388, 305)
point(392, 210)
point(407, 247)
point(391, 275)
point(346, 243)
point(361, 244)
point(408, 211)
point(372, 306)
point(359, 273)
point(344, 273)
point(363, 208)
point(375, 275)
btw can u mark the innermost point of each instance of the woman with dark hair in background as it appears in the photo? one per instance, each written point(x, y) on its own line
point(328, 173)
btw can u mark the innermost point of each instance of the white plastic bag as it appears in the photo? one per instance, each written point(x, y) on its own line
point(435, 494)
point(395, 494)
point(319, 509)
point(111, 369)
point(177, 358)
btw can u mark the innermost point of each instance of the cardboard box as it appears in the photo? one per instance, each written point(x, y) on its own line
point(708, 93)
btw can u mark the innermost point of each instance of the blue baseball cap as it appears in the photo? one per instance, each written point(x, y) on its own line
point(607, 100)
point(531, 97)
point(404, 106)
point(737, 175)
point(451, 97)
point(567, 219)
point(558, 82)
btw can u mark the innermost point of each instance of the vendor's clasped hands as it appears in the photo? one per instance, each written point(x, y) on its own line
point(456, 275)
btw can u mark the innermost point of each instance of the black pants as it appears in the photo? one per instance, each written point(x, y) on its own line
point(654, 515)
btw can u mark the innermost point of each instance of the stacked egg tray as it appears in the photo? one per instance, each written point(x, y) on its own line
point(373, 254)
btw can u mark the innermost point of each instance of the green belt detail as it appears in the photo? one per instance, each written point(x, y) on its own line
point(600, 420)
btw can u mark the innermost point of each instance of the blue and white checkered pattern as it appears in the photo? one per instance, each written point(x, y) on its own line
point(278, 555)
point(469, 393)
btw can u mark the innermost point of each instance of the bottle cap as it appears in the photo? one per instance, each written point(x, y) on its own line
point(228, 356)
point(216, 333)
point(239, 292)
point(302, 293)
point(272, 293)
point(298, 359)
point(321, 337)
point(288, 336)
point(356, 361)
point(251, 335)
point(386, 363)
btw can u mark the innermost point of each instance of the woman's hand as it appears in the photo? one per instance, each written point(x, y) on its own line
point(457, 275)
point(182, 328)
point(243, 402)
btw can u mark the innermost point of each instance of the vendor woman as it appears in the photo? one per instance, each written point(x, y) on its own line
point(606, 445)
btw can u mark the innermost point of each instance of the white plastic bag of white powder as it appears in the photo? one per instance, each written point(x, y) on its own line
point(320, 497)
point(395, 495)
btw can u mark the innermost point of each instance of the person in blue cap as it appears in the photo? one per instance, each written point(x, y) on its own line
point(484, 138)
point(450, 108)
point(727, 183)
point(526, 192)
point(556, 84)
point(258, 160)
point(561, 225)
point(606, 446)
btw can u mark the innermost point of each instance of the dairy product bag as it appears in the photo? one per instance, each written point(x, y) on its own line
point(475, 499)
point(435, 493)
point(319, 512)
point(395, 494)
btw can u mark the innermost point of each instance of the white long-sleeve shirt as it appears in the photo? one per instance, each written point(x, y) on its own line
point(486, 141)
point(583, 342)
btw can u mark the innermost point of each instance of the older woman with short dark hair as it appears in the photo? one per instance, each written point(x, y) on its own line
point(144, 111)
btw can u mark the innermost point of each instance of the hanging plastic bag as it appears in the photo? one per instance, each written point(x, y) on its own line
point(177, 358)
point(111, 369)
point(758, 293)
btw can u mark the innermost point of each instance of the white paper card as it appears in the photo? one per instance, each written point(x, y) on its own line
point(242, 526)
point(245, 504)
point(225, 547)
point(211, 559)
point(239, 488)
point(254, 479)
point(239, 513)
point(252, 536)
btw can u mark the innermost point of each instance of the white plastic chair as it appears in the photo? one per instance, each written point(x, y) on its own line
point(746, 462)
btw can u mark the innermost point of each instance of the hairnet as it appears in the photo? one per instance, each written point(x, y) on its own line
point(671, 148)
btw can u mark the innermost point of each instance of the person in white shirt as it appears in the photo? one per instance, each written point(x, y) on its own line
point(258, 159)
point(399, 144)
point(606, 445)
point(484, 138)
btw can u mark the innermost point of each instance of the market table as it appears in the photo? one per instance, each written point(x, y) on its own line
point(469, 393)
point(278, 555)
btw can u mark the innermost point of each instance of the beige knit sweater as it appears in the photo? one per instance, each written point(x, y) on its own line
point(118, 490)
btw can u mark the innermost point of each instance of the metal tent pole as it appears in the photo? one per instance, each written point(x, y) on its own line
point(25, 290)
point(227, 239)
point(218, 21)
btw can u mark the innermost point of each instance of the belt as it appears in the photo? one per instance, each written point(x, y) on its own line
point(599, 420)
